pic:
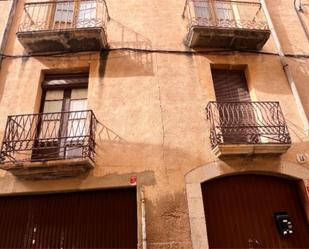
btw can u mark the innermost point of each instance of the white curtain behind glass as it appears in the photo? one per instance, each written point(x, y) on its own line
point(64, 12)
point(201, 9)
point(87, 14)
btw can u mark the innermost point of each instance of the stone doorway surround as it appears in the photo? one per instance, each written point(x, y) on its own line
point(267, 166)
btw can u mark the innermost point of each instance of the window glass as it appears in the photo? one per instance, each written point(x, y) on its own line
point(78, 105)
point(49, 129)
point(224, 10)
point(52, 106)
point(79, 93)
point(76, 128)
point(64, 12)
point(87, 14)
point(201, 9)
point(54, 95)
point(77, 120)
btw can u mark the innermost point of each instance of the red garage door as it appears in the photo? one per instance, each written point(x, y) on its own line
point(94, 219)
point(240, 212)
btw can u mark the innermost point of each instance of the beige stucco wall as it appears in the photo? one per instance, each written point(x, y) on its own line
point(293, 40)
point(5, 7)
point(154, 105)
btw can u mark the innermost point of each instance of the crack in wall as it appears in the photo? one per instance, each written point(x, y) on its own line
point(162, 123)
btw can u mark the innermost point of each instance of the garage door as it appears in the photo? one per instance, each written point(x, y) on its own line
point(95, 219)
point(240, 212)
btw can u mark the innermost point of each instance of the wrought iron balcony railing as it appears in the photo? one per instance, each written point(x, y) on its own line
point(49, 136)
point(226, 14)
point(246, 123)
point(64, 15)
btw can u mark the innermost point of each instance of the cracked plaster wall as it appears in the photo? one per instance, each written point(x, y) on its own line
point(151, 110)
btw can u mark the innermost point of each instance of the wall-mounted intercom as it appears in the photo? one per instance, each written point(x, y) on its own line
point(284, 223)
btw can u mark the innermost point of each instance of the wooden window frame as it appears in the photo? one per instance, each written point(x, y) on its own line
point(213, 11)
point(75, 16)
point(68, 83)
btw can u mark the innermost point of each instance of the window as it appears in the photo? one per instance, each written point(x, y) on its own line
point(218, 12)
point(64, 12)
point(224, 10)
point(64, 121)
point(87, 14)
point(201, 9)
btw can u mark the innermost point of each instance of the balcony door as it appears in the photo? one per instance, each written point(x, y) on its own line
point(224, 12)
point(63, 122)
point(217, 13)
point(202, 10)
point(237, 116)
point(87, 14)
point(75, 14)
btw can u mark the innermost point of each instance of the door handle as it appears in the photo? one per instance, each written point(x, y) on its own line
point(254, 244)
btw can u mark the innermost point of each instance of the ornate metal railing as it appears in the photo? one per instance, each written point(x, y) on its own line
point(64, 15)
point(49, 136)
point(225, 14)
point(246, 123)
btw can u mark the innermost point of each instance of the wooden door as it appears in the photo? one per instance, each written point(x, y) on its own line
point(214, 13)
point(240, 211)
point(62, 124)
point(75, 14)
point(105, 219)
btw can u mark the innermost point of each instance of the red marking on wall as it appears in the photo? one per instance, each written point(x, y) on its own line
point(133, 180)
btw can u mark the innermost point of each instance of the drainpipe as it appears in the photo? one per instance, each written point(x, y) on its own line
point(4, 38)
point(301, 19)
point(144, 235)
point(287, 70)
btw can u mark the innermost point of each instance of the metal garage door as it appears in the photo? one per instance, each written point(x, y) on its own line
point(94, 219)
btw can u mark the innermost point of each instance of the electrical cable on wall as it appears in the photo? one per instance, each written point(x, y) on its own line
point(138, 50)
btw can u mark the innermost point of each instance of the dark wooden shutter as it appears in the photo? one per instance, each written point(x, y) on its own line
point(238, 124)
point(230, 85)
point(104, 219)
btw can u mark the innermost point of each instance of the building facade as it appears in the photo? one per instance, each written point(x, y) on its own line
point(154, 124)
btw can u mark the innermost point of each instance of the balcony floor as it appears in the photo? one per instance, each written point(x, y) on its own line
point(81, 39)
point(233, 38)
point(249, 149)
point(49, 169)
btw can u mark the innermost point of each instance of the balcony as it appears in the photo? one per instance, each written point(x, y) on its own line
point(73, 25)
point(49, 145)
point(226, 24)
point(247, 128)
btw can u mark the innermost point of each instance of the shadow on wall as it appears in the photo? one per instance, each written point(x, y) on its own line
point(115, 154)
point(107, 134)
point(122, 154)
point(131, 57)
